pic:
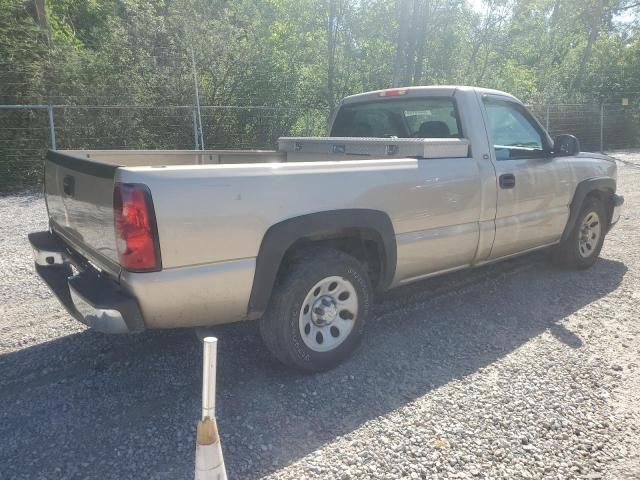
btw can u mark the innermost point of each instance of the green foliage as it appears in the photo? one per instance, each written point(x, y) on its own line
point(302, 55)
point(277, 52)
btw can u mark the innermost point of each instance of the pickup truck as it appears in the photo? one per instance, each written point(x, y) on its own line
point(412, 182)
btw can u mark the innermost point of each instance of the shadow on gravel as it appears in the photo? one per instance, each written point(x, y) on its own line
point(95, 406)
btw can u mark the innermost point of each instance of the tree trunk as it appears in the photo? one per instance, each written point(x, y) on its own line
point(40, 14)
point(553, 55)
point(412, 43)
point(555, 14)
point(471, 63)
point(421, 35)
point(594, 30)
point(332, 33)
point(400, 63)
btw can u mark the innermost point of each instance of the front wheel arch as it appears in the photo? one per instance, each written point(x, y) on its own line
point(602, 187)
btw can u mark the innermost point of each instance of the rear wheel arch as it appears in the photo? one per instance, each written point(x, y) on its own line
point(365, 234)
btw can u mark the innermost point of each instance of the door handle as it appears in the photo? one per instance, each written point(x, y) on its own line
point(68, 185)
point(507, 180)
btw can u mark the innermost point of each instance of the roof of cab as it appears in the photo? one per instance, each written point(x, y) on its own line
point(434, 90)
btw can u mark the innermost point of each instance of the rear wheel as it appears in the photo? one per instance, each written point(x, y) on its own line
point(581, 248)
point(318, 310)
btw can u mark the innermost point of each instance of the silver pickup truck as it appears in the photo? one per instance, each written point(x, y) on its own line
point(412, 182)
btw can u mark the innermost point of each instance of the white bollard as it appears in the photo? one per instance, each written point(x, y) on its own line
point(209, 461)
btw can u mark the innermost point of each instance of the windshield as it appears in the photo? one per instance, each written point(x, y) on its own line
point(403, 118)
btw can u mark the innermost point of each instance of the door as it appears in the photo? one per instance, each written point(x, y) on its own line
point(530, 210)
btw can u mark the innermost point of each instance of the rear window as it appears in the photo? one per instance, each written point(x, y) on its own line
point(401, 118)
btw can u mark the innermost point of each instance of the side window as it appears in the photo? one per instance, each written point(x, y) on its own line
point(513, 132)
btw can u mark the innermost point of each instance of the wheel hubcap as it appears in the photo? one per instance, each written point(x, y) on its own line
point(589, 235)
point(328, 313)
point(324, 311)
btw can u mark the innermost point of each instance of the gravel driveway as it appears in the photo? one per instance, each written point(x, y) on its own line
point(517, 370)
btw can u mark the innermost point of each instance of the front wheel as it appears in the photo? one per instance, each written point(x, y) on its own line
point(317, 313)
point(581, 248)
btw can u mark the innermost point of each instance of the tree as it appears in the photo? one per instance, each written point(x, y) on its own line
point(293, 57)
point(594, 29)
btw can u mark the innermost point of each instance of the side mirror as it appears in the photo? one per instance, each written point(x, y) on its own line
point(566, 145)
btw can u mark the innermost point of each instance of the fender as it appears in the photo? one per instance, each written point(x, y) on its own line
point(329, 224)
point(584, 188)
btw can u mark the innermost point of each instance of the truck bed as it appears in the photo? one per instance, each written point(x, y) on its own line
point(80, 184)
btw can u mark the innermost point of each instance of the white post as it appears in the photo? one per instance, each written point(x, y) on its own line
point(547, 119)
point(209, 461)
point(197, 92)
point(307, 121)
point(602, 127)
point(195, 130)
point(52, 128)
point(209, 377)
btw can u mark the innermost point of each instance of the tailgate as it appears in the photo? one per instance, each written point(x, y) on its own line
point(79, 196)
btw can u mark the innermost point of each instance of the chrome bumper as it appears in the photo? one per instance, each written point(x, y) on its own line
point(89, 296)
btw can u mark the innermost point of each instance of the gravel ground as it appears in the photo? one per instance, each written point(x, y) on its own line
point(517, 370)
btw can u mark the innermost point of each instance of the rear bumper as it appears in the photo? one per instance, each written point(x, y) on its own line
point(618, 202)
point(89, 296)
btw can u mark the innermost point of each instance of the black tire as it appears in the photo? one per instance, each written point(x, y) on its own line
point(568, 253)
point(280, 327)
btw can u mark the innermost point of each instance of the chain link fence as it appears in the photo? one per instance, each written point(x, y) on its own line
point(28, 131)
point(600, 128)
point(25, 135)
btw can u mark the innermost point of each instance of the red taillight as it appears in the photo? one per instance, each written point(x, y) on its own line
point(393, 92)
point(136, 231)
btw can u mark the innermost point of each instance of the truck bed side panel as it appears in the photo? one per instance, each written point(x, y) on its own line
point(192, 296)
point(210, 214)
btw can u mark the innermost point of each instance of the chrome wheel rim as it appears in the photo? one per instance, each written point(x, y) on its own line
point(589, 234)
point(328, 314)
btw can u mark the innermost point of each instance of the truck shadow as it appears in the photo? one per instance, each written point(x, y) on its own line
point(95, 406)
